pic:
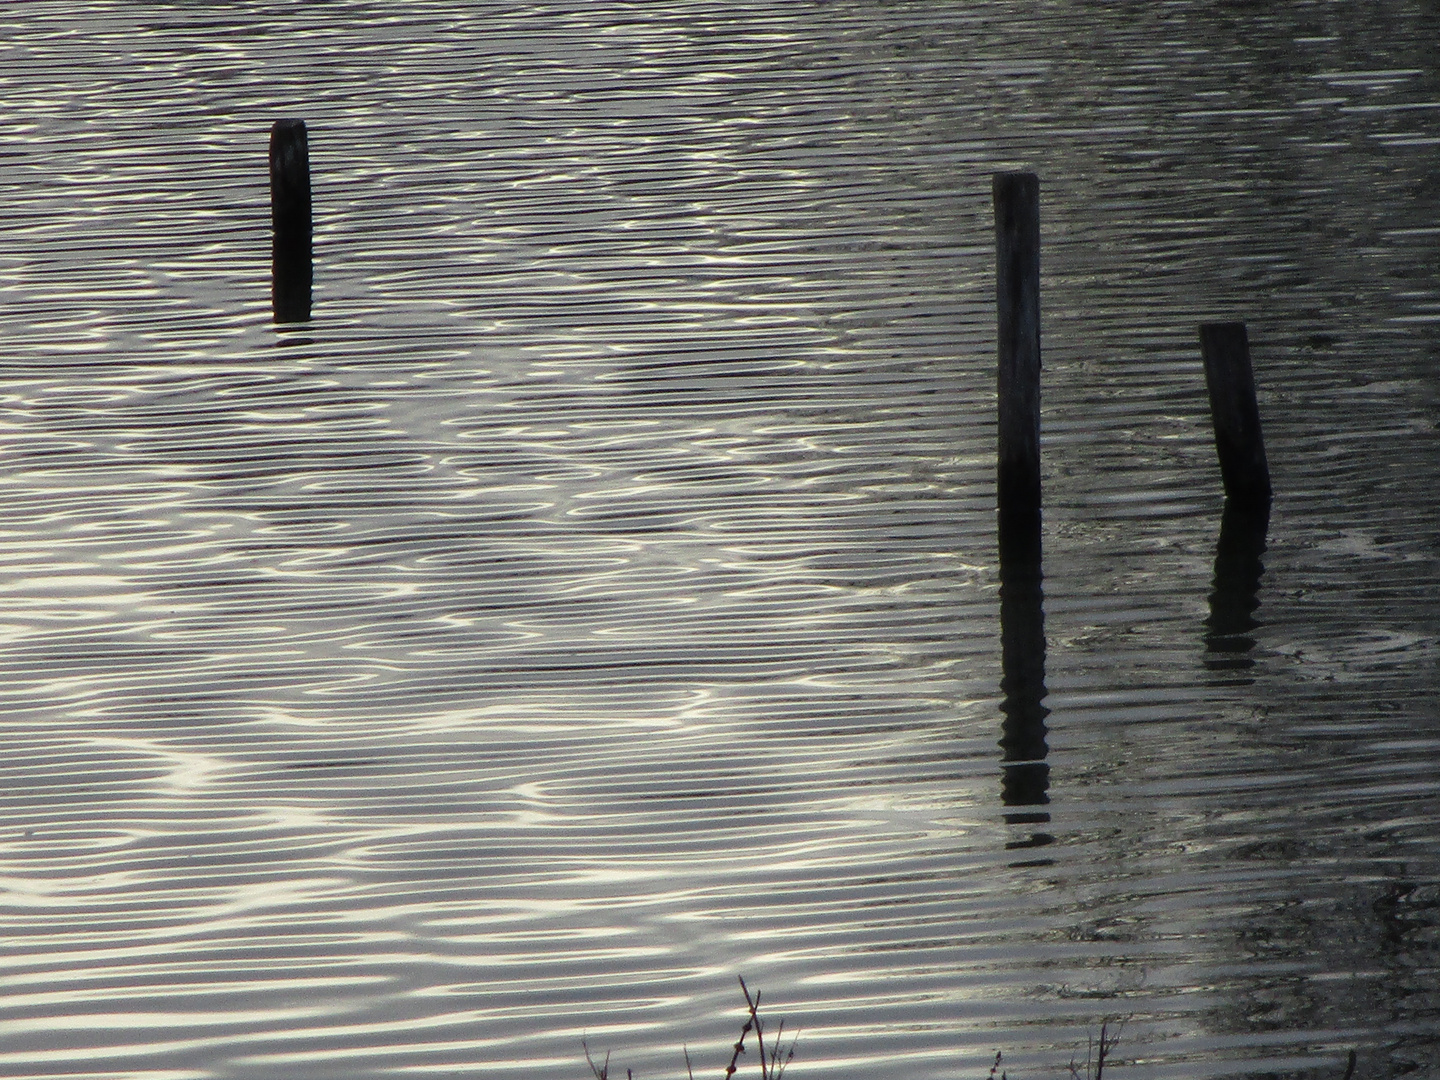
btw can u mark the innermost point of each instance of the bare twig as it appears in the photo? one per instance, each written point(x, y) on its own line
point(1106, 1045)
point(1349, 1067)
point(777, 1066)
point(754, 1004)
point(789, 1054)
point(1096, 1053)
point(739, 1049)
point(602, 1072)
point(772, 1063)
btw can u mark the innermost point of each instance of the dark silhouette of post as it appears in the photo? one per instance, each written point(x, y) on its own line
point(291, 274)
point(1025, 776)
point(1017, 307)
point(1236, 414)
point(1235, 593)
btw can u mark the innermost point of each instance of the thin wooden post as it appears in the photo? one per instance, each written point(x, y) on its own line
point(291, 273)
point(1236, 414)
point(1017, 304)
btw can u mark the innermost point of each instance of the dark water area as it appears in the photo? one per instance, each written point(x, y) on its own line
point(600, 598)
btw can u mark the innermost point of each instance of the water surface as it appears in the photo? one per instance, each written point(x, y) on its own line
point(601, 599)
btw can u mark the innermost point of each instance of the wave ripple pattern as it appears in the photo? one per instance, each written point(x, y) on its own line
point(599, 599)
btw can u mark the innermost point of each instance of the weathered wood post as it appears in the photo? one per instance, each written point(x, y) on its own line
point(1236, 414)
point(291, 249)
point(1025, 776)
point(1017, 304)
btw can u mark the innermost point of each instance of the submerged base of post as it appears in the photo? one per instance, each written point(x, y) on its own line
point(1236, 414)
point(1025, 774)
point(291, 272)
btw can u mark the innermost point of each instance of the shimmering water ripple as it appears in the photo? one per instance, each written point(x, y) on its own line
point(599, 599)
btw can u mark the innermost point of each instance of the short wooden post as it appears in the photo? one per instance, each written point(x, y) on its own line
point(291, 274)
point(1017, 303)
point(1235, 413)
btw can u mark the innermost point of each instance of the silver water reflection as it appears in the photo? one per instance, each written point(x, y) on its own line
point(600, 598)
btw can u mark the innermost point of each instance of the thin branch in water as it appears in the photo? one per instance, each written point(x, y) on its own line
point(772, 1062)
point(1096, 1054)
point(602, 1072)
point(739, 1049)
point(754, 1004)
point(776, 1065)
point(1106, 1045)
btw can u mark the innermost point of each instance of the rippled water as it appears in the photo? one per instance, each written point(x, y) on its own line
point(600, 598)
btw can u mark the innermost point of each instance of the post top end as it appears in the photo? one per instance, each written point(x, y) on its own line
point(1015, 179)
point(1224, 335)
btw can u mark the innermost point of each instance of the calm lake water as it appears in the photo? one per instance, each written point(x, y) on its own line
point(600, 598)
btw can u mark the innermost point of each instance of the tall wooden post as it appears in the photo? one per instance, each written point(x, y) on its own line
point(1017, 303)
point(1026, 775)
point(291, 250)
point(1236, 414)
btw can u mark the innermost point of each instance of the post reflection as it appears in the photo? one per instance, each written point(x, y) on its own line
point(1025, 776)
point(1235, 592)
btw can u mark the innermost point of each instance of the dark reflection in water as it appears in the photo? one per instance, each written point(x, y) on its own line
point(1025, 777)
point(1234, 595)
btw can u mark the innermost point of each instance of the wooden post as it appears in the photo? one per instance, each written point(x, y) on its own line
point(1017, 303)
point(291, 250)
point(1235, 413)
point(1025, 774)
